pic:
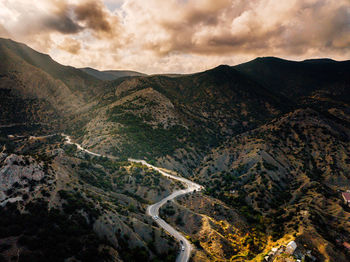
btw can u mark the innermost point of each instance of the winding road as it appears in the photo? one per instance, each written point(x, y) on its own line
point(153, 210)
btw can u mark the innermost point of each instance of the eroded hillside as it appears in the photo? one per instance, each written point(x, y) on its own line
point(285, 176)
point(58, 203)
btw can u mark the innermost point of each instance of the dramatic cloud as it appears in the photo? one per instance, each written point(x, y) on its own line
point(178, 35)
point(231, 27)
point(70, 45)
point(94, 16)
point(65, 16)
point(60, 20)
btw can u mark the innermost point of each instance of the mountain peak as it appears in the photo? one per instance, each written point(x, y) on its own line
point(320, 61)
point(221, 69)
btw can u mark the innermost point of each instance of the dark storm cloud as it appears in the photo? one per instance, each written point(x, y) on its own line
point(72, 19)
point(94, 16)
point(62, 23)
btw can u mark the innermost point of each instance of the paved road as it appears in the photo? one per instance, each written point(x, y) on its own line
point(69, 141)
point(153, 210)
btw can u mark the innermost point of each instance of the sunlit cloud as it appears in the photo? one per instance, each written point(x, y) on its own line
point(157, 36)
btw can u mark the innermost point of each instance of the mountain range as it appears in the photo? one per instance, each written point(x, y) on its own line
point(268, 139)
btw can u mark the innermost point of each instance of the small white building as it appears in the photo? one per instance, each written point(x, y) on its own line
point(291, 247)
point(346, 197)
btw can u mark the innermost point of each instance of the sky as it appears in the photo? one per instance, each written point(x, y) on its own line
point(177, 36)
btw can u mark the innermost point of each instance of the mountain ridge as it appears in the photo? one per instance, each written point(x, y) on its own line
point(269, 140)
point(110, 75)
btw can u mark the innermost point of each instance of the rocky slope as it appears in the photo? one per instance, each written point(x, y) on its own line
point(159, 116)
point(57, 203)
point(286, 176)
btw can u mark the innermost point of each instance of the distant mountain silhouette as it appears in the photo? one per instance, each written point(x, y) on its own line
point(110, 74)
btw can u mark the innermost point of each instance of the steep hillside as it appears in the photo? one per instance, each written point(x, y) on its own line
point(34, 88)
point(155, 116)
point(320, 83)
point(73, 78)
point(286, 176)
point(57, 203)
point(297, 79)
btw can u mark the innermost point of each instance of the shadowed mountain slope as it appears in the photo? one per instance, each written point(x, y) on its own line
point(32, 80)
point(295, 80)
point(74, 78)
point(155, 115)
